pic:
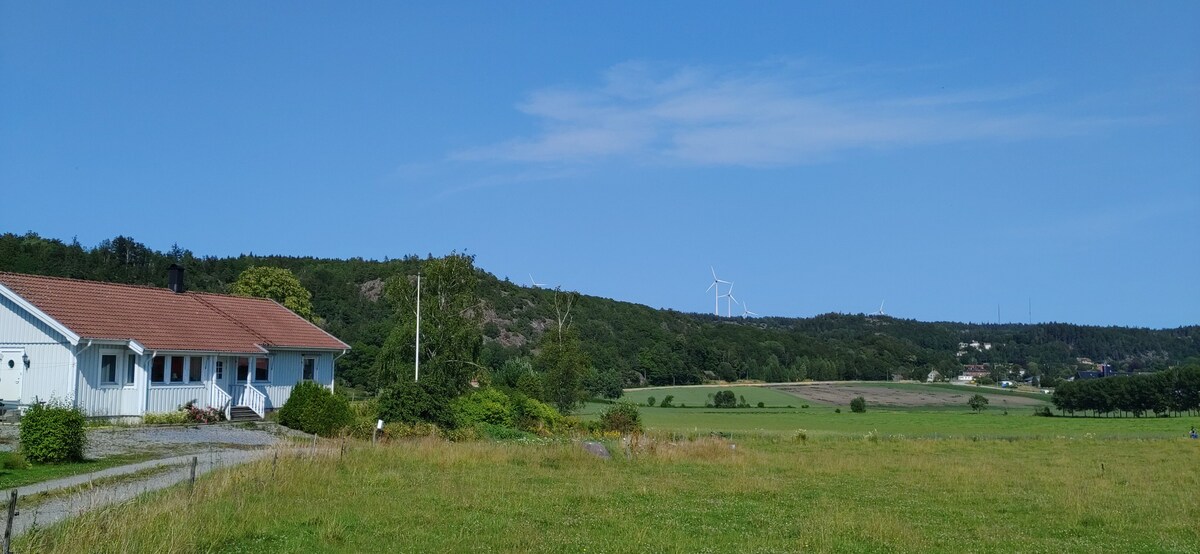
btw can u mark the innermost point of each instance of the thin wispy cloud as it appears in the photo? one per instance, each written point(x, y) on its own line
point(769, 114)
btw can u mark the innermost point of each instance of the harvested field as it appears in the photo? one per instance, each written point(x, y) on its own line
point(911, 396)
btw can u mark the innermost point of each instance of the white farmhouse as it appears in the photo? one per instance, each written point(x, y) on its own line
point(124, 350)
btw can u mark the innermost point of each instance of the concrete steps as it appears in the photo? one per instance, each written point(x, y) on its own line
point(243, 413)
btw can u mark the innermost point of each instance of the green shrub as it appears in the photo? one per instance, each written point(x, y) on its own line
point(313, 408)
point(622, 417)
point(166, 418)
point(52, 433)
point(725, 399)
point(978, 403)
point(12, 460)
point(534, 416)
point(406, 402)
point(837, 410)
point(667, 400)
point(858, 405)
point(532, 385)
point(482, 406)
point(762, 405)
point(650, 401)
point(365, 409)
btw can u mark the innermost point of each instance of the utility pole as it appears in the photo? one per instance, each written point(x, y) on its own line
point(417, 350)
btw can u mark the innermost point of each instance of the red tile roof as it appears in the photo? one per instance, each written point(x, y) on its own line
point(159, 319)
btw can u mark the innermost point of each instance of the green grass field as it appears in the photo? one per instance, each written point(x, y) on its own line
point(36, 473)
point(910, 423)
point(765, 495)
point(700, 480)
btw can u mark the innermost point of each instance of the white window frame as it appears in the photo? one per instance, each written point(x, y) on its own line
point(131, 369)
point(249, 369)
point(117, 358)
point(253, 376)
point(303, 361)
point(188, 370)
point(150, 371)
point(186, 380)
point(219, 370)
point(183, 370)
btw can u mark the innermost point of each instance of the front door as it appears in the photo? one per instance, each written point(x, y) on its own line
point(12, 369)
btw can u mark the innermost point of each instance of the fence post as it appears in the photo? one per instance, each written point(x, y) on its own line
point(12, 514)
point(192, 481)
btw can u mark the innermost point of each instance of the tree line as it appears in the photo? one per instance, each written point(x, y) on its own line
point(1173, 391)
point(363, 301)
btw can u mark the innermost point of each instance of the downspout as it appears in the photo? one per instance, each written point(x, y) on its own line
point(75, 386)
point(146, 389)
point(333, 369)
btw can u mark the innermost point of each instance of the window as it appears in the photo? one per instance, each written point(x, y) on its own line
point(195, 370)
point(310, 369)
point(243, 369)
point(219, 370)
point(130, 369)
point(108, 369)
point(176, 369)
point(262, 369)
point(157, 366)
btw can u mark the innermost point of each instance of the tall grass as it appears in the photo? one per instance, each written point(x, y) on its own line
point(774, 493)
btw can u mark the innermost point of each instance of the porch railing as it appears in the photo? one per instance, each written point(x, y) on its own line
point(221, 400)
point(255, 400)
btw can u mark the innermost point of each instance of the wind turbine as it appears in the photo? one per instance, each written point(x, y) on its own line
point(716, 288)
point(880, 312)
point(535, 283)
point(746, 310)
point(730, 301)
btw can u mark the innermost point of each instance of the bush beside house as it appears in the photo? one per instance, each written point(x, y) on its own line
point(53, 433)
point(313, 408)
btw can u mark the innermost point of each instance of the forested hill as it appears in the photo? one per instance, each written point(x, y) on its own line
point(636, 342)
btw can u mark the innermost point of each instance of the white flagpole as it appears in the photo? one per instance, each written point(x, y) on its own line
point(417, 354)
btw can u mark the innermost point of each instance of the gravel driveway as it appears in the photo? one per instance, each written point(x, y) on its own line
point(111, 441)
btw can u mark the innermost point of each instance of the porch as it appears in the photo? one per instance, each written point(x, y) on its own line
point(242, 402)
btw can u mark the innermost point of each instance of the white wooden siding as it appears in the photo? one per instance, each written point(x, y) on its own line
point(169, 398)
point(97, 399)
point(51, 372)
point(60, 371)
point(287, 367)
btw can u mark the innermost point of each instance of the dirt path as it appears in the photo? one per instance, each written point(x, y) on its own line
point(71, 504)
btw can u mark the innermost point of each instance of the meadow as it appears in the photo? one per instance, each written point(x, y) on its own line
point(700, 480)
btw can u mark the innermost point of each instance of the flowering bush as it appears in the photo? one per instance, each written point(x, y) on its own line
point(201, 415)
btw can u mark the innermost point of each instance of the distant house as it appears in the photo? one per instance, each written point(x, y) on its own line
point(123, 350)
point(973, 372)
point(933, 376)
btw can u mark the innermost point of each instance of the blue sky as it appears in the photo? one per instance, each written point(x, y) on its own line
point(949, 158)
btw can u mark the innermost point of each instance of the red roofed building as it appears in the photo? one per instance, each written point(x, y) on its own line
point(125, 350)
